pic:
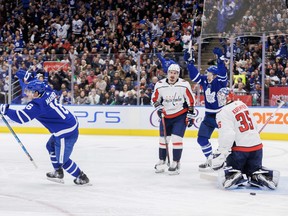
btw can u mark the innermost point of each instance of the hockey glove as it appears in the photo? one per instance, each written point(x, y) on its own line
point(190, 117)
point(160, 111)
point(217, 51)
point(157, 104)
point(160, 108)
point(4, 108)
point(189, 56)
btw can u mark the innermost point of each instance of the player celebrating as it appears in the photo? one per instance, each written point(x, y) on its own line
point(240, 142)
point(165, 62)
point(59, 121)
point(211, 83)
point(174, 100)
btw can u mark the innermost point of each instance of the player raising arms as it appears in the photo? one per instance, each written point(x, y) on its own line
point(59, 121)
point(174, 100)
point(240, 142)
point(211, 83)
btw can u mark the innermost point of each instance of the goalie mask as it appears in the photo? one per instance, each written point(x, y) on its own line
point(173, 73)
point(224, 96)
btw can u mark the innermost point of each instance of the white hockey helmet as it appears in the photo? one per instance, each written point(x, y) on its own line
point(173, 73)
point(225, 96)
point(174, 67)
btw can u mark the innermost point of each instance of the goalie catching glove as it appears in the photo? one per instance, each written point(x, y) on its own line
point(218, 160)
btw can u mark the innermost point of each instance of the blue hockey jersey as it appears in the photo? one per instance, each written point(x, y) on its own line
point(46, 109)
point(165, 63)
point(212, 99)
point(26, 76)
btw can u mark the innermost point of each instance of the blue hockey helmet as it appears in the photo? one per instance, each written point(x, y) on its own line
point(36, 86)
point(212, 69)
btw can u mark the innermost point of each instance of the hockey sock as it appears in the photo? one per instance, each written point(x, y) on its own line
point(207, 149)
point(72, 168)
point(54, 161)
point(177, 154)
point(162, 154)
point(205, 145)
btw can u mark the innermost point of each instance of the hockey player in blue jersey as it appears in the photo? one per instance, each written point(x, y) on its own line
point(212, 82)
point(165, 62)
point(33, 73)
point(61, 123)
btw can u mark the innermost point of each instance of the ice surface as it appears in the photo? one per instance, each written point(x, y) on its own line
point(121, 170)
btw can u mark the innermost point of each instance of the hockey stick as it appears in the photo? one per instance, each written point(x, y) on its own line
point(18, 140)
point(31, 67)
point(192, 30)
point(165, 138)
point(281, 103)
point(191, 39)
point(208, 176)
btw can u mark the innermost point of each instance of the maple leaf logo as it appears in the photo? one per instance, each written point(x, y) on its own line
point(210, 96)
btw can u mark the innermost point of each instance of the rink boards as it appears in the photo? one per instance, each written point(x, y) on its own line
point(143, 121)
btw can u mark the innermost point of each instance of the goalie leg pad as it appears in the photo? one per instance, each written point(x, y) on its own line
point(275, 174)
point(230, 178)
point(265, 178)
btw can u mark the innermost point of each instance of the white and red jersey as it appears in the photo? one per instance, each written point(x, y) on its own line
point(176, 98)
point(237, 129)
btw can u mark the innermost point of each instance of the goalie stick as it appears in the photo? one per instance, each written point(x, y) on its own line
point(280, 104)
point(18, 140)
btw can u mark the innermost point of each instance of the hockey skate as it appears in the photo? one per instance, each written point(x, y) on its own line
point(160, 166)
point(82, 179)
point(174, 169)
point(206, 167)
point(56, 176)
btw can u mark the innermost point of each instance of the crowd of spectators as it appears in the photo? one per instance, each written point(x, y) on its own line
point(110, 46)
point(101, 39)
point(247, 68)
point(244, 17)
